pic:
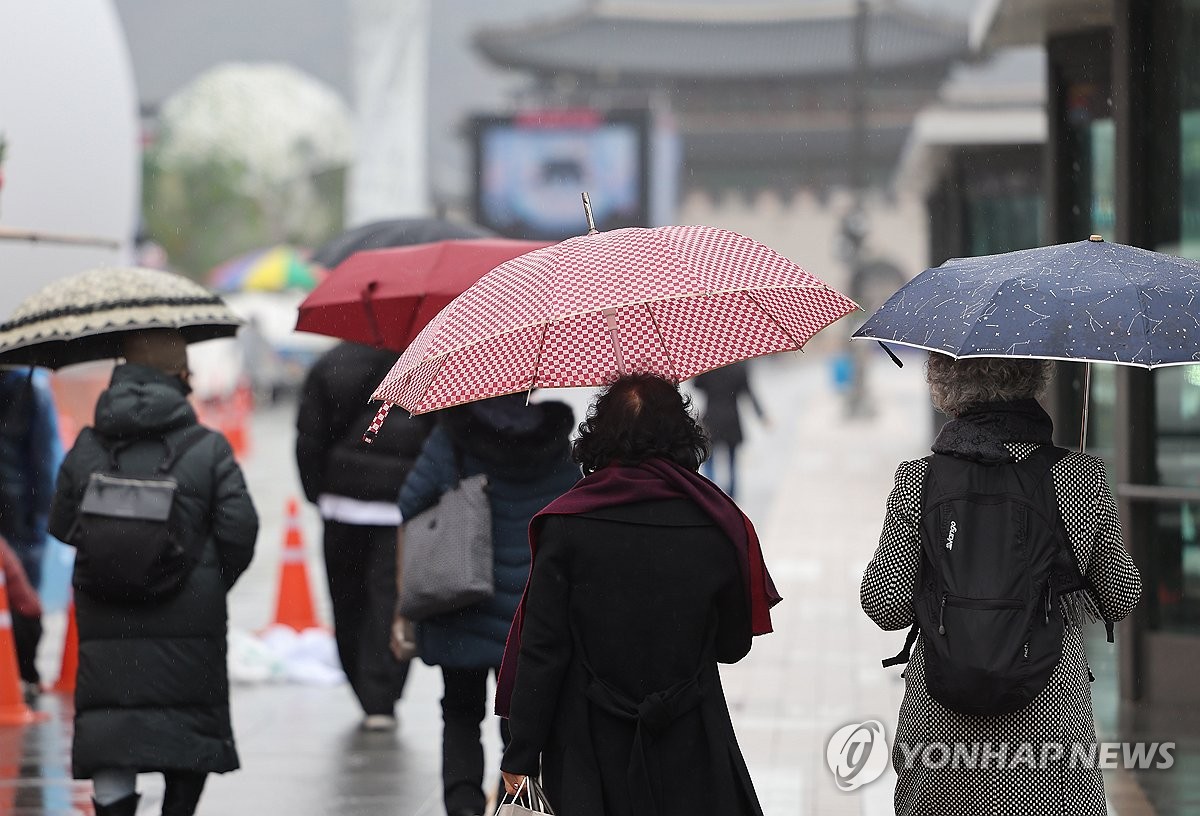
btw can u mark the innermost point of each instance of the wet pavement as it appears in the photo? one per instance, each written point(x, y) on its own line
point(815, 484)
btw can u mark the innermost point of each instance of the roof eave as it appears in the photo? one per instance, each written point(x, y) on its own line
point(1004, 23)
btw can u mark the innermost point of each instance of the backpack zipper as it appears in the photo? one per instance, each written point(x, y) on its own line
point(973, 603)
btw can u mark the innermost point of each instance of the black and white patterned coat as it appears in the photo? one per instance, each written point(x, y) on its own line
point(1062, 713)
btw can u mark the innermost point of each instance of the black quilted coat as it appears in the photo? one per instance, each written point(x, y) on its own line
point(152, 691)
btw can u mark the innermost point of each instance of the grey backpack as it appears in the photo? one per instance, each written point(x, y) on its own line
point(131, 547)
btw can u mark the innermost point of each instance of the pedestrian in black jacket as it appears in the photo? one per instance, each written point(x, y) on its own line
point(152, 692)
point(355, 485)
point(645, 576)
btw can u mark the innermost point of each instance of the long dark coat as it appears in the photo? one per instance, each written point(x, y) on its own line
point(152, 691)
point(527, 468)
point(1061, 713)
point(625, 603)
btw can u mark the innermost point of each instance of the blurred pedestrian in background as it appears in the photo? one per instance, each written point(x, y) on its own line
point(152, 691)
point(22, 597)
point(644, 578)
point(996, 420)
point(355, 486)
point(30, 454)
point(525, 452)
point(723, 389)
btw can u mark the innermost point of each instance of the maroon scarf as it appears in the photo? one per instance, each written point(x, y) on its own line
point(651, 480)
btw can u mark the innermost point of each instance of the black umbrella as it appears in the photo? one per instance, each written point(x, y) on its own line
point(393, 232)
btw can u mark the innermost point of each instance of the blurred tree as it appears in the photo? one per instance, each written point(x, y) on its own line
point(248, 156)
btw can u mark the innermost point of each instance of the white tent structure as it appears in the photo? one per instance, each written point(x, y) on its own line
point(72, 163)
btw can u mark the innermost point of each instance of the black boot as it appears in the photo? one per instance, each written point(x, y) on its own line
point(121, 807)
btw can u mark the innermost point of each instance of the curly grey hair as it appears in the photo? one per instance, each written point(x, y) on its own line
point(956, 386)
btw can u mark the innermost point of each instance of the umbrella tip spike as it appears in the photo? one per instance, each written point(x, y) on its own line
point(1094, 238)
point(587, 213)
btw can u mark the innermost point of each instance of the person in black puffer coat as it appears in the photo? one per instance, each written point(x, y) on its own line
point(152, 692)
point(525, 452)
point(355, 485)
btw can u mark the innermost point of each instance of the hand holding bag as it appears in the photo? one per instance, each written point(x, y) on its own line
point(447, 559)
point(529, 800)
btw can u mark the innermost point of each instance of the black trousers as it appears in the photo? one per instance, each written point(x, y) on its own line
point(360, 565)
point(27, 630)
point(182, 793)
point(464, 706)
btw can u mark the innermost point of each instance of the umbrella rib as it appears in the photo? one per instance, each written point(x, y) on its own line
point(537, 363)
point(662, 341)
point(771, 317)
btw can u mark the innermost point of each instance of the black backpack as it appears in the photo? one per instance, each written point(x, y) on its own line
point(131, 547)
point(995, 559)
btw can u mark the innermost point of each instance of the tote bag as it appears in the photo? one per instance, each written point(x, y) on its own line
point(447, 558)
point(527, 801)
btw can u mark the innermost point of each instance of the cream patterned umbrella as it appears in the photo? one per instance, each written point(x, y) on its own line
point(84, 317)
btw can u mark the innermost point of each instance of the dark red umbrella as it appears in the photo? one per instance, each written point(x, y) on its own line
point(384, 297)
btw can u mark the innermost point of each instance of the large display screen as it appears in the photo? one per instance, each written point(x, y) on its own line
point(532, 167)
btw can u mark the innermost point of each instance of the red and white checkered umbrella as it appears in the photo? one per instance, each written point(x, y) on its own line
point(674, 301)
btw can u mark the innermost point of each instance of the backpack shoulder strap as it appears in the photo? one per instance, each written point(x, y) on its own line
point(185, 441)
point(903, 655)
point(1051, 455)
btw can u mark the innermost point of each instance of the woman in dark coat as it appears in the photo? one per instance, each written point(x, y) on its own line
point(152, 693)
point(525, 451)
point(645, 576)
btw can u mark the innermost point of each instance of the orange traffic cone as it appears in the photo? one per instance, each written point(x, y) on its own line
point(13, 710)
point(294, 605)
point(70, 657)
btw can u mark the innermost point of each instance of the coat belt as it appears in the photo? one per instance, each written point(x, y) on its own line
point(652, 716)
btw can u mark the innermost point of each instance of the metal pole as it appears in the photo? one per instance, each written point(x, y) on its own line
point(1087, 393)
point(40, 237)
point(858, 107)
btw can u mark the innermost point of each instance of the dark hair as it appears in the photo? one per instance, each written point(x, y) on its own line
point(640, 417)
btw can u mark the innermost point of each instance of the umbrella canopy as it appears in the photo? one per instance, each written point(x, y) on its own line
point(384, 297)
point(85, 317)
point(1088, 301)
point(276, 269)
point(392, 232)
point(675, 301)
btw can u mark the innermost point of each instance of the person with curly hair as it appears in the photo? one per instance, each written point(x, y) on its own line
point(645, 576)
point(996, 423)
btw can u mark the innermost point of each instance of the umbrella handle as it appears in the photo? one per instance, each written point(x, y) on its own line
point(1087, 392)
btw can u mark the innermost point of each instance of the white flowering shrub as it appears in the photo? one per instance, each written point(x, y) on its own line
point(248, 155)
